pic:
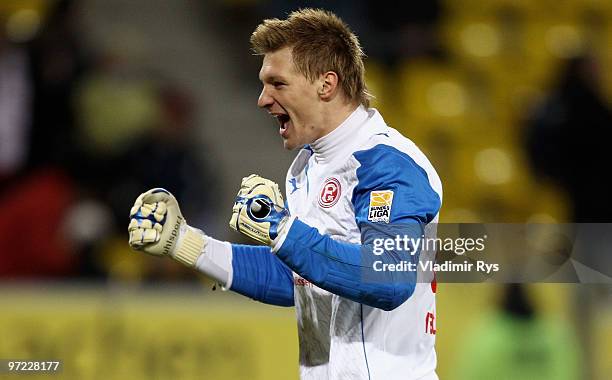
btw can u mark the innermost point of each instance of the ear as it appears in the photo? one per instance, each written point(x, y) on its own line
point(328, 85)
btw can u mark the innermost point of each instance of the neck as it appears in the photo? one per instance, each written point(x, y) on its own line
point(335, 116)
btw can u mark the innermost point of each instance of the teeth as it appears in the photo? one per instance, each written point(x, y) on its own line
point(282, 119)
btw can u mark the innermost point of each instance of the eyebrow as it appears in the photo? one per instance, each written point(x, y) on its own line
point(272, 79)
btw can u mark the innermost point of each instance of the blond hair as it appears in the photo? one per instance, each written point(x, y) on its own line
point(320, 42)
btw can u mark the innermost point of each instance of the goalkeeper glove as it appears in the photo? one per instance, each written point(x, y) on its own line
point(259, 211)
point(158, 228)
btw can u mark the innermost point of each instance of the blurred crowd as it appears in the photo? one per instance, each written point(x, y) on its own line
point(567, 138)
point(81, 134)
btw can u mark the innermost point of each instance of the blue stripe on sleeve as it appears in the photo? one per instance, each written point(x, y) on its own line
point(384, 167)
point(260, 275)
point(347, 269)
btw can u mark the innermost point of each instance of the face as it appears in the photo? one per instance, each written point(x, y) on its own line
point(291, 98)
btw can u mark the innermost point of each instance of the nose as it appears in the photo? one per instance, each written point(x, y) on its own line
point(265, 100)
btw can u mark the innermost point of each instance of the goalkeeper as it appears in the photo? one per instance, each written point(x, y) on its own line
point(354, 180)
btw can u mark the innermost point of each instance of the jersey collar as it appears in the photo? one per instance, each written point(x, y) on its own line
point(330, 146)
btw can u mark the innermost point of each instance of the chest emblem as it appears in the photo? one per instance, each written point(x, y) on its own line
point(330, 193)
point(380, 206)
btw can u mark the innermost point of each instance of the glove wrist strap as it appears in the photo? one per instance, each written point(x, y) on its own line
point(190, 247)
point(283, 231)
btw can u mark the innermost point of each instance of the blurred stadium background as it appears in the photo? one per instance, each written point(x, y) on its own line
point(103, 99)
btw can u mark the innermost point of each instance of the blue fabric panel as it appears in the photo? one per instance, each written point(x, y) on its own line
point(260, 275)
point(347, 269)
point(383, 167)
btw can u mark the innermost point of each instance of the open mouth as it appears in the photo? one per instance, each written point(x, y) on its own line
point(283, 121)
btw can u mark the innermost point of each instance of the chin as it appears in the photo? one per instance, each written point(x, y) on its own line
point(291, 143)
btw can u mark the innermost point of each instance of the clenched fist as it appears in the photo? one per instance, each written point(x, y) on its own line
point(158, 228)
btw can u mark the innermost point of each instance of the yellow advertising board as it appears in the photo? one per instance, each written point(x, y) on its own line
point(175, 334)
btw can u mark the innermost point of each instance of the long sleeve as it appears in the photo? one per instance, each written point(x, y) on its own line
point(260, 275)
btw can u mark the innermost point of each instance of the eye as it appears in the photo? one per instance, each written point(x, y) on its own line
point(278, 85)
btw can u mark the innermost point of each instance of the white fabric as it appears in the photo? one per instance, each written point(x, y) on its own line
point(339, 338)
point(216, 262)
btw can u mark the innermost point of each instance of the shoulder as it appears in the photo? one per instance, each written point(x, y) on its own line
point(391, 155)
point(396, 184)
point(384, 151)
point(383, 157)
point(383, 166)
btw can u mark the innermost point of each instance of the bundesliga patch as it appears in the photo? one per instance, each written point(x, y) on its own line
point(380, 206)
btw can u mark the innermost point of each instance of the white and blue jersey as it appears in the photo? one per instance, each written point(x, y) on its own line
point(363, 181)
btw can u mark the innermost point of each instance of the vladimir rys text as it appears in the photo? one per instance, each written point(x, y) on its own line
point(411, 245)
